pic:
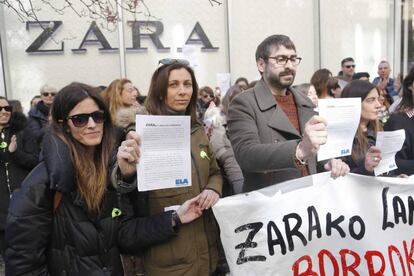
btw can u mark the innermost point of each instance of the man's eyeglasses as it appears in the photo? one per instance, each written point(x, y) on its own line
point(349, 66)
point(47, 94)
point(81, 120)
point(169, 61)
point(282, 60)
point(7, 108)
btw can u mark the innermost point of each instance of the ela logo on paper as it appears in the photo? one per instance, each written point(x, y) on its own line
point(181, 182)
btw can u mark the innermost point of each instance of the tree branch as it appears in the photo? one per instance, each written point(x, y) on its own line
point(105, 12)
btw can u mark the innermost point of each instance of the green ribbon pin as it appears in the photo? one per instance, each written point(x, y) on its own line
point(116, 212)
point(3, 145)
point(204, 155)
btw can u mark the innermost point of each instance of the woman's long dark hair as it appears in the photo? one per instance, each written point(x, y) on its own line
point(360, 89)
point(90, 173)
point(407, 101)
point(319, 80)
point(155, 102)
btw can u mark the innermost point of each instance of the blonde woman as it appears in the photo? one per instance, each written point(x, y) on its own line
point(121, 93)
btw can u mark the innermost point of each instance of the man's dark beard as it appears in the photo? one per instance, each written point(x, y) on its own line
point(274, 81)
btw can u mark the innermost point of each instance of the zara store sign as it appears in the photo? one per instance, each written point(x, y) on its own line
point(197, 36)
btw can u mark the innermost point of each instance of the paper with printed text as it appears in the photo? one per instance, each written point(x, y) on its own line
point(165, 152)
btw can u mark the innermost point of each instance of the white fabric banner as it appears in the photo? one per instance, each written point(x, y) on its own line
point(353, 225)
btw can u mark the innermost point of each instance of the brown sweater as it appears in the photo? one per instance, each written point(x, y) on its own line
point(288, 105)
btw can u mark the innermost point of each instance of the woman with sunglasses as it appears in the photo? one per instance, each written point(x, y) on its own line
point(173, 91)
point(67, 219)
point(18, 156)
point(205, 97)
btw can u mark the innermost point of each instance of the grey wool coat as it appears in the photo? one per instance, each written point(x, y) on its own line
point(263, 139)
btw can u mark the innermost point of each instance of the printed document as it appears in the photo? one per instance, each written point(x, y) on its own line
point(343, 117)
point(389, 142)
point(165, 152)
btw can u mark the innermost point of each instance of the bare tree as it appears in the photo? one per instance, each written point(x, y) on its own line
point(106, 12)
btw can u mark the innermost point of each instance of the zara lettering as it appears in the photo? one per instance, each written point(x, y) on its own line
point(197, 36)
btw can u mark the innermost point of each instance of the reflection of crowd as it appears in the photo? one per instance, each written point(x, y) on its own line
point(79, 212)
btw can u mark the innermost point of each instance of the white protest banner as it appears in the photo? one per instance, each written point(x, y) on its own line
point(353, 225)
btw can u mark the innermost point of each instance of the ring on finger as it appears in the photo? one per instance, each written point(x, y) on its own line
point(375, 158)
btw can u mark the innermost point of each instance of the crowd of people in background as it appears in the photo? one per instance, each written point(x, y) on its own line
point(79, 210)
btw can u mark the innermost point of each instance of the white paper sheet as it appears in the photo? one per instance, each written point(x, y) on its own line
point(190, 53)
point(223, 81)
point(343, 117)
point(389, 142)
point(165, 152)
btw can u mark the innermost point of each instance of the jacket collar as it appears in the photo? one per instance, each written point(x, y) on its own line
point(279, 119)
point(59, 164)
point(40, 111)
point(265, 99)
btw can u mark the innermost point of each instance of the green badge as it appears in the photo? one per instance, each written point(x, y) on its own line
point(116, 212)
point(204, 155)
point(3, 145)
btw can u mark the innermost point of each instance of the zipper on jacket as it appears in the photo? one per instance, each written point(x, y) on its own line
point(8, 178)
point(6, 165)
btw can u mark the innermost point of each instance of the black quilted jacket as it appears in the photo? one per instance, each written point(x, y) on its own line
point(71, 240)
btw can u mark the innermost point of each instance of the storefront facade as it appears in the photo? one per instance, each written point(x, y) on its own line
point(223, 38)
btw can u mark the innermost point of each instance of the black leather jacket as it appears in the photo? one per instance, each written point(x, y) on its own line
point(71, 240)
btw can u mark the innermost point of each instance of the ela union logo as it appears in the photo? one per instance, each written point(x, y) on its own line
point(181, 182)
point(344, 151)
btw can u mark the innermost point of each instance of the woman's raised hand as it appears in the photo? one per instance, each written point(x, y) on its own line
point(129, 154)
point(372, 158)
point(13, 144)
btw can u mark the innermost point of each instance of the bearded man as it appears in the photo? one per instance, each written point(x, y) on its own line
point(273, 128)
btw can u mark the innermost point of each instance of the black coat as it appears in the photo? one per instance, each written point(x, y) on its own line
point(15, 166)
point(71, 240)
point(38, 121)
point(405, 157)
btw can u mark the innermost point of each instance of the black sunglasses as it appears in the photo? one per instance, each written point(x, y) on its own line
point(349, 66)
point(46, 94)
point(7, 108)
point(169, 61)
point(81, 120)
